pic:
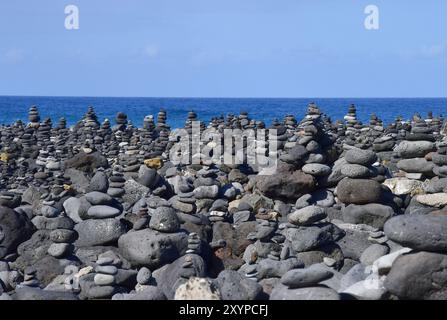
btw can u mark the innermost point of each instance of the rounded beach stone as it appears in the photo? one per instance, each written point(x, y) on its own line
point(105, 260)
point(58, 250)
point(308, 277)
point(99, 232)
point(359, 191)
point(164, 219)
point(99, 182)
point(103, 212)
point(372, 214)
point(197, 289)
point(420, 232)
point(316, 169)
point(98, 198)
point(414, 149)
point(104, 279)
point(144, 276)
point(418, 276)
point(307, 215)
point(415, 165)
point(360, 157)
point(206, 192)
point(355, 171)
point(437, 200)
point(282, 292)
point(63, 236)
point(105, 269)
point(439, 159)
point(372, 253)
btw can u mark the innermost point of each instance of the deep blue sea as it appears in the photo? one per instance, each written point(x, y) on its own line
point(266, 109)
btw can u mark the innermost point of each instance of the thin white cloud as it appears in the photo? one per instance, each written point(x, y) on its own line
point(215, 56)
point(433, 50)
point(424, 51)
point(14, 56)
point(151, 51)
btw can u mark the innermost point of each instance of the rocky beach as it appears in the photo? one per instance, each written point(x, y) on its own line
point(100, 210)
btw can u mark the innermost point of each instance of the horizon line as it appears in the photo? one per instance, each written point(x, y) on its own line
point(211, 97)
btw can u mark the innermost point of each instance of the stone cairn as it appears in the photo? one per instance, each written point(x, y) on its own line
point(105, 278)
point(317, 143)
point(162, 132)
point(412, 151)
point(161, 120)
point(148, 136)
point(290, 122)
point(116, 183)
point(102, 206)
point(191, 117)
point(242, 213)
point(143, 218)
point(352, 125)
point(439, 159)
point(104, 135)
point(29, 278)
point(351, 118)
point(281, 134)
point(206, 192)
point(87, 127)
point(184, 201)
point(33, 117)
point(10, 199)
point(60, 136)
point(63, 239)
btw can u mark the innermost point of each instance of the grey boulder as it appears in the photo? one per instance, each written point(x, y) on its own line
point(307, 238)
point(98, 198)
point(308, 277)
point(372, 253)
point(282, 292)
point(416, 165)
point(373, 214)
point(269, 268)
point(421, 232)
point(99, 232)
point(414, 149)
point(233, 286)
point(151, 248)
point(307, 215)
point(360, 157)
point(99, 182)
point(419, 276)
point(164, 219)
point(103, 212)
point(359, 191)
point(14, 229)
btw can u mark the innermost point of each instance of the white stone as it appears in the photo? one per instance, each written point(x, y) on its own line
point(197, 289)
point(438, 200)
point(104, 279)
point(414, 175)
point(384, 263)
point(368, 289)
point(401, 186)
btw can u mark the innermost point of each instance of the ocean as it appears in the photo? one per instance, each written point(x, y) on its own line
point(13, 108)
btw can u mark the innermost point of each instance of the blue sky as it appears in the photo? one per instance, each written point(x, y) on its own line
point(224, 48)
